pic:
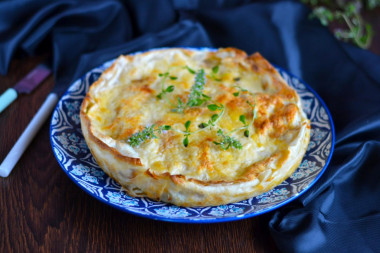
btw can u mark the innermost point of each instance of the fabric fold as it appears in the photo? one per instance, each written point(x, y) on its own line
point(344, 215)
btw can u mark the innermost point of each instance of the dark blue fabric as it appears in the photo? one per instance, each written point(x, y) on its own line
point(342, 211)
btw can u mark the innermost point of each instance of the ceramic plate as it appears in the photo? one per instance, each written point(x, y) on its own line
point(76, 160)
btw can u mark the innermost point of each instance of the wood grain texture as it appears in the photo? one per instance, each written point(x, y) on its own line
point(42, 210)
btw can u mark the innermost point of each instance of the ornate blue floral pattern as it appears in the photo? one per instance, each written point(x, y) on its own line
point(72, 142)
point(73, 110)
point(274, 195)
point(76, 160)
point(305, 169)
point(121, 199)
point(92, 175)
point(226, 210)
point(172, 211)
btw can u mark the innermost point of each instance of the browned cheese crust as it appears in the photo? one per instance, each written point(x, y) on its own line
point(124, 101)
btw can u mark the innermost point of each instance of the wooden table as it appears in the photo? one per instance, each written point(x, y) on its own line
point(42, 210)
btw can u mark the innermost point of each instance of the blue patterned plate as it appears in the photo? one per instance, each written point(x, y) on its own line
point(76, 160)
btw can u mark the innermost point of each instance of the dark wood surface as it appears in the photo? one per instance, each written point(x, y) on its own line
point(42, 210)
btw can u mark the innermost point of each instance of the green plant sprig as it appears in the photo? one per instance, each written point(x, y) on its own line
point(242, 118)
point(240, 89)
point(196, 96)
point(245, 126)
point(349, 12)
point(215, 117)
point(227, 141)
point(147, 133)
point(187, 133)
point(213, 73)
point(165, 90)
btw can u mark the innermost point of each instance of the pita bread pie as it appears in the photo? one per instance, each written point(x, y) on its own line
point(195, 127)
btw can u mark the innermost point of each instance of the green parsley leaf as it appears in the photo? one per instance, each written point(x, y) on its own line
point(187, 125)
point(202, 125)
point(213, 107)
point(214, 117)
point(242, 119)
point(180, 106)
point(195, 96)
point(163, 74)
point(190, 70)
point(163, 90)
point(140, 137)
point(206, 97)
point(215, 69)
point(186, 141)
point(170, 88)
point(227, 141)
point(147, 133)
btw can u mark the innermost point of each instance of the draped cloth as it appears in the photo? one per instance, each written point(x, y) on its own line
point(342, 210)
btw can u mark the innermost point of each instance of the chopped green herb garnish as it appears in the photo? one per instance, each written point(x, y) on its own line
point(202, 125)
point(227, 141)
point(214, 117)
point(164, 90)
point(198, 98)
point(187, 125)
point(213, 107)
point(215, 69)
point(240, 90)
point(190, 70)
point(187, 133)
point(140, 137)
point(186, 141)
point(242, 119)
point(206, 97)
point(170, 88)
point(146, 134)
point(162, 128)
point(195, 97)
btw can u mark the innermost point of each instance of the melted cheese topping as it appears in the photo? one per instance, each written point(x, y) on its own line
point(125, 102)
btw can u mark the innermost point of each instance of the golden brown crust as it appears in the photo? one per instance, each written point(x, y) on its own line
point(85, 122)
point(122, 163)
